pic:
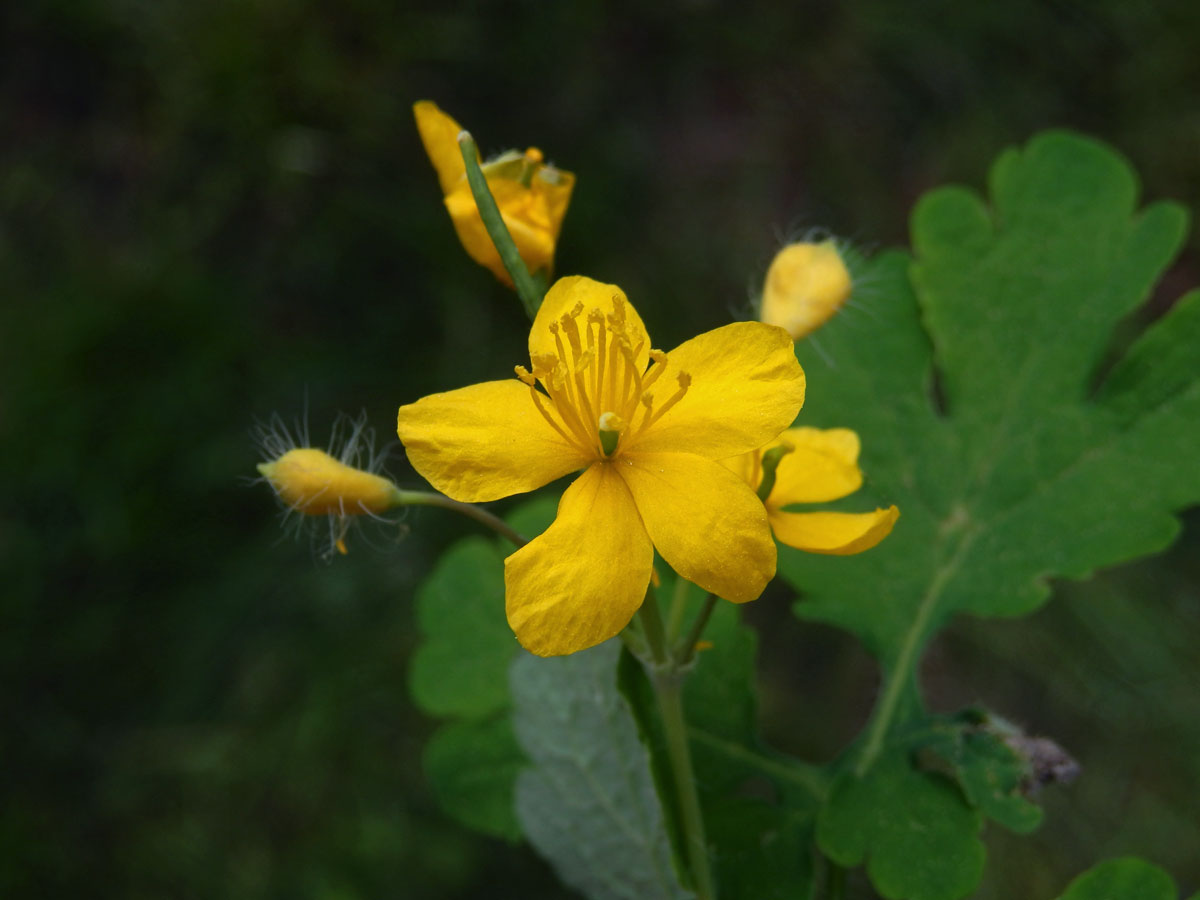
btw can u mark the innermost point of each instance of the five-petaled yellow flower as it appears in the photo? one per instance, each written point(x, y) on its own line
point(648, 440)
point(531, 195)
point(821, 466)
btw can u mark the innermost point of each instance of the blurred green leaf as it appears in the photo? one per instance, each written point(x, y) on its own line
point(460, 671)
point(1122, 879)
point(460, 612)
point(472, 766)
point(589, 803)
point(912, 829)
point(1030, 471)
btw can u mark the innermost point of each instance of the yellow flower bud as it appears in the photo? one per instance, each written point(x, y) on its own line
point(531, 195)
point(806, 284)
point(312, 482)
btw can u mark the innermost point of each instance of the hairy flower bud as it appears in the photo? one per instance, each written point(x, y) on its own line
point(806, 284)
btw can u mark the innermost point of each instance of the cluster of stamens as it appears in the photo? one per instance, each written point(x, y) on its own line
point(596, 395)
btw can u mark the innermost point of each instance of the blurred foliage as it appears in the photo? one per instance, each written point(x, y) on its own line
point(211, 212)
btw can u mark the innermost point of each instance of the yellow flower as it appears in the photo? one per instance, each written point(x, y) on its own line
point(531, 195)
point(821, 466)
point(648, 441)
point(806, 284)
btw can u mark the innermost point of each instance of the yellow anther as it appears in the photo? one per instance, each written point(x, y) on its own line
point(647, 400)
point(684, 379)
point(585, 359)
point(525, 375)
point(659, 357)
point(534, 155)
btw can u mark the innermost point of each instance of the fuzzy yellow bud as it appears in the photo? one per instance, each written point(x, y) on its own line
point(806, 284)
point(312, 482)
point(532, 196)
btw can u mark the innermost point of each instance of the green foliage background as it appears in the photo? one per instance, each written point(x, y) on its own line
point(212, 212)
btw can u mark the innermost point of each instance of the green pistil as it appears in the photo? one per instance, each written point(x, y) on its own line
point(608, 441)
point(770, 462)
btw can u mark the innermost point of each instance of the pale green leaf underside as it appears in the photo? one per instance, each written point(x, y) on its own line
point(588, 803)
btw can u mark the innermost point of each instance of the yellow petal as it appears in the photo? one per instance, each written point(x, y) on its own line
point(533, 216)
point(582, 580)
point(576, 289)
point(806, 284)
point(708, 526)
point(472, 234)
point(439, 134)
point(746, 387)
point(822, 467)
point(837, 534)
point(484, 442)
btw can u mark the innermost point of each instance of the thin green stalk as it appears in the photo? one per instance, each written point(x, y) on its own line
point(687, 649)
point(668, 688)
point(652, 624)
point(667, 681)
point(478, 513)
point(678, 608)
point(527, 290)
point(835, 886)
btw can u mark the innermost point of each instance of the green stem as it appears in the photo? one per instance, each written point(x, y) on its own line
point(667, 681)
point(478, 513)
point(652, 624)
point(687, 649)
point(668, 688)
point(678, 608)
point(489, 212)
point(835, 887)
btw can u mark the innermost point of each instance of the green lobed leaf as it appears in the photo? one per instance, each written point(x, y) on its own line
point(472, 766)
point(460, 612)
point(589, 803)
point(460, 672)
point(970, 373)
point(912, 829)
point(1128, 878)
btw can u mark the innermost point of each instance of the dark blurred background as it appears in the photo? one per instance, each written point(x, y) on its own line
point(211, 212)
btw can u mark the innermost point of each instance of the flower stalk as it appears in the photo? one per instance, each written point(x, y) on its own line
point(666, 677)
point(471, 510)
point(489, 212)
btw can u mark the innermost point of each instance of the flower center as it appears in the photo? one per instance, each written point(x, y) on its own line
point(596, 395)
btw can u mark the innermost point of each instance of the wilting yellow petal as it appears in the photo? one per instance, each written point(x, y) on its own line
point(484, 442)
point(312, 482)
point(708, 526)
point(746, 387)
point(439, 134)
point(574, 290)
point(806, 284)
point(822, 467)
point(837, 534)
point(581, 581)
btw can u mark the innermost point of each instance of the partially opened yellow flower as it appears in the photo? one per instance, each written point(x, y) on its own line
point(822, 465)
point(806, 284)
point(531, 195)
point(648, 441)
